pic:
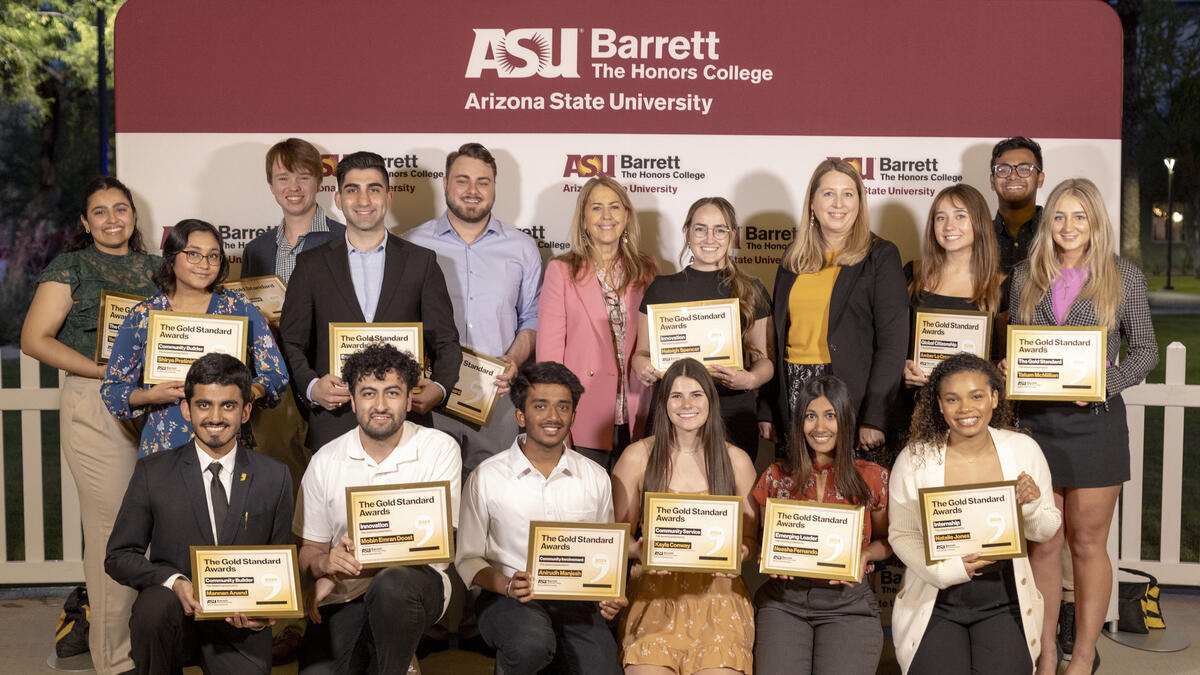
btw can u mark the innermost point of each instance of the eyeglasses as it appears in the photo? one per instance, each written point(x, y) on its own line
point(1024, 169)
point(194, 258)
point(718, 231)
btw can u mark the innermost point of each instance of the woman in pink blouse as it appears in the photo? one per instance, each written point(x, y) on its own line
point(587, 318)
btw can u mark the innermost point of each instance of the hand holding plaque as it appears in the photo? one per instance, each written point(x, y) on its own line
point(474, 395)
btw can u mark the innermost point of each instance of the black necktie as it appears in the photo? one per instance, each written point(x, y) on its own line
point(220, 502)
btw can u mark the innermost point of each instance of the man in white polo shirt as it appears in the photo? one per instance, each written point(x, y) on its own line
point(537, 478)
point(371, 619)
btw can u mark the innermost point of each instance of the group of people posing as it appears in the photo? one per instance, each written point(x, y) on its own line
point(585, 424)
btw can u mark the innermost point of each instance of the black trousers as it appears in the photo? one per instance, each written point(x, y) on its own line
point(550, 636)
point(164, 639)
point(378, 631)
point(976, 628)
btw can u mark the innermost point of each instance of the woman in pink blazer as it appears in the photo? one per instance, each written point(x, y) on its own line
point(587, 319)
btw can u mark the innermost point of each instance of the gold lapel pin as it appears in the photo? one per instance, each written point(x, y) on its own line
point(243, 478)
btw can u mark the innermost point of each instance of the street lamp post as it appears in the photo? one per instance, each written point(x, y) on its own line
point(1170, 162)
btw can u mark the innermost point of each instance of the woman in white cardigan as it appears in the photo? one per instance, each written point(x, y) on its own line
point(963, 614)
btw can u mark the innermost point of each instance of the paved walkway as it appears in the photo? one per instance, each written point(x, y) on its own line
point(27, 639)
point(1171, 302)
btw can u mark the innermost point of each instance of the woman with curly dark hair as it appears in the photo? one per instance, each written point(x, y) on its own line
point(964, 614)
point(803, 624)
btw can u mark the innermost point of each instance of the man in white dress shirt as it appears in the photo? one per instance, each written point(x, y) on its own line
point(537, 478)
point(370, 620)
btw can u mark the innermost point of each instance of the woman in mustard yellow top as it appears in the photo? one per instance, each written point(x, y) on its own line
point(840, 304)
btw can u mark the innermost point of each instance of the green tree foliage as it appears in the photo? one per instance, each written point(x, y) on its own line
point(49, 135)
point(44, 42)
point(1168, 97)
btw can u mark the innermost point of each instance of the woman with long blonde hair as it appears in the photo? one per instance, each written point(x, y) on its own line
point(840, 307)
point(1073, 277)
point(587, 318)
point(713, 274)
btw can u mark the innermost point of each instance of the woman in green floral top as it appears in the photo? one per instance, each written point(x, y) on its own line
point(193, 266)
point(106, 253)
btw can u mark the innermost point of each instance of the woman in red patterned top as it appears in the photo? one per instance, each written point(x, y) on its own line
point(805, 625)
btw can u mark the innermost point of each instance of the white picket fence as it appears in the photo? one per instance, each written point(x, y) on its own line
point(1173, 396)
point(30, 399)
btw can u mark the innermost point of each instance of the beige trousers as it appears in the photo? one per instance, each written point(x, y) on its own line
point(101, 455)
point(279, 433)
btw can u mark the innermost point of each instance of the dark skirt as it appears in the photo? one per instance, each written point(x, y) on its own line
point(1085, 446)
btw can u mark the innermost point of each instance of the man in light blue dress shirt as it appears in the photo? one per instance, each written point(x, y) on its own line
point(367, 276)
point(493, 274)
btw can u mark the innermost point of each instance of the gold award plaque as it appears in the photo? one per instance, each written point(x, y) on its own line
point(174, 340)
point(577, 561)
point(983, 518)
point(407, 524)
point(265, 293)
point(692, 533)
point(258, 581)
point(348, 338)
point(474, 395)
point(114, 307)
point(812, 539)
point(709, 331)
point(1059, 363)
point(940, 335)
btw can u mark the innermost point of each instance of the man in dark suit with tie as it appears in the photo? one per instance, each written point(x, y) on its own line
point(368, 276)
point(207, 492)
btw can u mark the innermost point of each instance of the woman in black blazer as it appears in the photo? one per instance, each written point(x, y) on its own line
point(840, 304)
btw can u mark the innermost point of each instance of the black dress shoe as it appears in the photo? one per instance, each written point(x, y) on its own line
point(1066, 629)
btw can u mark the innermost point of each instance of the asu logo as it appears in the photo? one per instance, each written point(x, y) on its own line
point(864, 165)
point(328, 165)
point(524, 52)
point(587, 166)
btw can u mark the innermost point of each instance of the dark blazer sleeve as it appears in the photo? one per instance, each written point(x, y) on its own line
point(296, 322)
point(258, 258)
point(437, 319)
point(125, 558)
point(891, 334)
point(281, 529)
point(771, 405)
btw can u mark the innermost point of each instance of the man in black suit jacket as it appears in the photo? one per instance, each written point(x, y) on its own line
point(342, 282)
point(169, 507)
point(294, 173)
